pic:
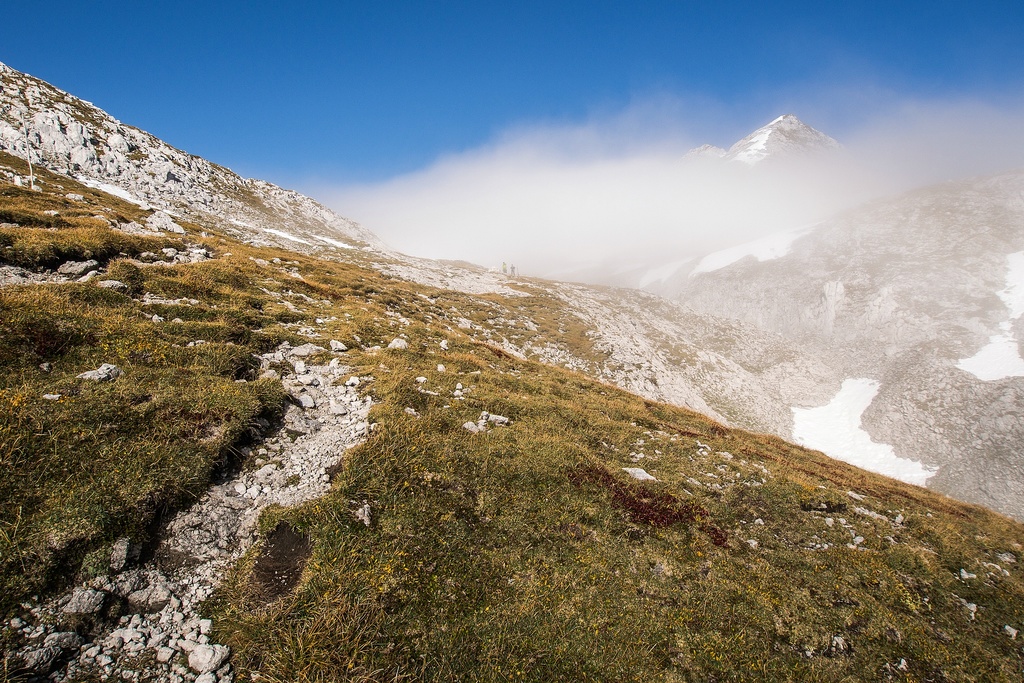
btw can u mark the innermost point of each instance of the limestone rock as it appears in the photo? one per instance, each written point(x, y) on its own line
point(161, 221)
point(77, 268)
point(207, 658)
point(63, 640)
point(104, 373)
point(85, 601)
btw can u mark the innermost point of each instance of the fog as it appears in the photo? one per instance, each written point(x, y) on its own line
point(616, 192)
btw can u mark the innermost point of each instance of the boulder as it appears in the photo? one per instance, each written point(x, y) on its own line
point(77, 268)
point(84, 601)
point(207, 658)
point(398, 343)
point(63, 640)
point(305, 350)
point(161, 221)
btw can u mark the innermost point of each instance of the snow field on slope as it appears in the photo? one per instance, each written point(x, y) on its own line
point(835, 430)
point(766, 248)
point(113, 190)
point(1000, 358)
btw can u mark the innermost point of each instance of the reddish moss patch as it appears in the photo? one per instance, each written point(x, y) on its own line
point(645, 505)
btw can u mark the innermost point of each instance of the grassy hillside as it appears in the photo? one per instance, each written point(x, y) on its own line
point(521, 552)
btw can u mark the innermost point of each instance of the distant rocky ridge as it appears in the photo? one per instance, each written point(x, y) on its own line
point(47, 126)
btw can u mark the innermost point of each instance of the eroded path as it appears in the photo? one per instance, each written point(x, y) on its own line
point(144, 620)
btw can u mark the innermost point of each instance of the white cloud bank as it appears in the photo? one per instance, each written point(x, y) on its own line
point(618, 191)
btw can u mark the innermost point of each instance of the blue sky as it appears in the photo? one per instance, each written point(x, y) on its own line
point(308, 93)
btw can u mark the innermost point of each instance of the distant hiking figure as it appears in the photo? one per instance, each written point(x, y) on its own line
point(513, 270)
point(504, 268)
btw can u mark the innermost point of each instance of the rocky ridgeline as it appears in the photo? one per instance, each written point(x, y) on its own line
point(52, 128)
point(142, 623)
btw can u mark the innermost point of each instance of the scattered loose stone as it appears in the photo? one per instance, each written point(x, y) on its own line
point(398, 343)
point(116, 285)
point(104, 373)
point(363, 514)
point(638, 473)
point(305, 350)
point(338, 346)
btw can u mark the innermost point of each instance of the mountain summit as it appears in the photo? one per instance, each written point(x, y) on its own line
point(785, 136)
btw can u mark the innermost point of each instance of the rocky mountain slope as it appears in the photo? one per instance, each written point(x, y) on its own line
point(732, 372)
point(919, 293)
point(746, 374)
point(49, 127)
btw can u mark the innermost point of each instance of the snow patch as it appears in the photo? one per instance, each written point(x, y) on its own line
point(333, 243)
point(756, 149)
point(286, 235)
point(1013, 295)
point(113, 190)
point(1000, 358)
point(766, 248)
point(835, 430)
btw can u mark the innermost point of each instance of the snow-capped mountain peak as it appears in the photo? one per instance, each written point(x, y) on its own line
point(785, 136)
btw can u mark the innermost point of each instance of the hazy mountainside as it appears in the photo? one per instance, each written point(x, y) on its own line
point(59, 131)
point(921, 293)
